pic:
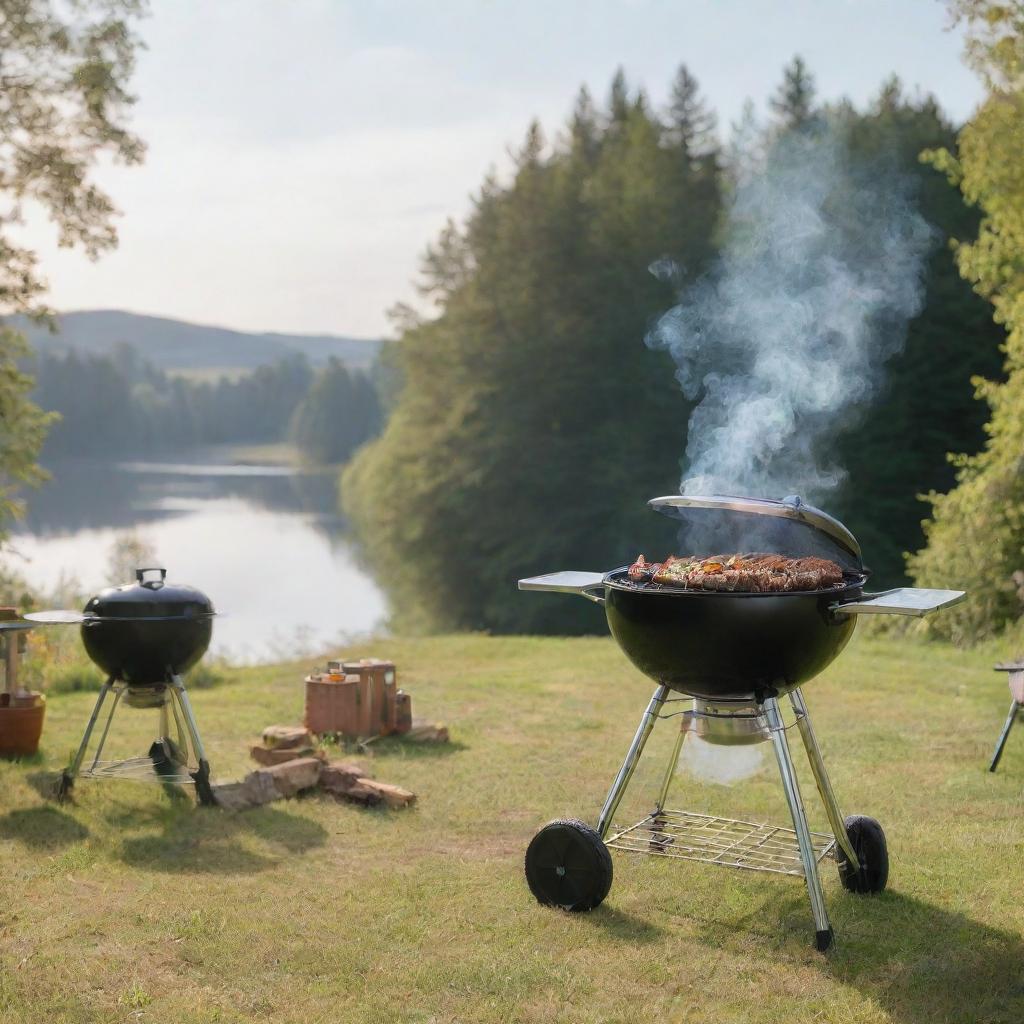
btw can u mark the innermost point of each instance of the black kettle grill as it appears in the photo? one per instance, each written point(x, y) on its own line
point(144, 636)
point(735, 654)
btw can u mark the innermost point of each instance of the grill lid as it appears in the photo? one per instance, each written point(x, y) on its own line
point(150, 598)
point(717, 523)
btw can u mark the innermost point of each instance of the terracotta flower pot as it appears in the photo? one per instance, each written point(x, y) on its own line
point(21, 725)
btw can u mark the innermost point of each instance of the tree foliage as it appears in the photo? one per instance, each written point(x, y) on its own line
point(532, 423)
point(794, 101)
point(976, 533)
point(897, 447)
point(327, 414)
point(339, 412)
point(532, 426)
point(64, 72)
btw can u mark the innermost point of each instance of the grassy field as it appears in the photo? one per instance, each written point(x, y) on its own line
point(130, 905)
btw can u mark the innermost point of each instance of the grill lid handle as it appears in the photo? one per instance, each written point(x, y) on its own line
point(582, 583)
point(140, 576)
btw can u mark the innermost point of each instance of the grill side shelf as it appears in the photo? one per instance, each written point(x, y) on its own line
point(585, 584)
point(905, 601)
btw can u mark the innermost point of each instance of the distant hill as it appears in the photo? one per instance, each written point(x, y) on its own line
point(175, 345)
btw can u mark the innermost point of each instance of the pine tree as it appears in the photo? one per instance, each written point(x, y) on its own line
point(584, 132)
point(794, 100)
point(692, 122)
point(618, 99)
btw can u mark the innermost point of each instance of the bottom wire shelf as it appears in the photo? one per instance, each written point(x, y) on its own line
point(139, 769)
point(725, 841)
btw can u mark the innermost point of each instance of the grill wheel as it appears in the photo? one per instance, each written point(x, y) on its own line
point(868, 841)
point(568, 866)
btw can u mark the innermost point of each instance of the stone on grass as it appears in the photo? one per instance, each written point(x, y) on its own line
point(278, 755)
point(339, 776)
point(287, 736)
point(293, 776)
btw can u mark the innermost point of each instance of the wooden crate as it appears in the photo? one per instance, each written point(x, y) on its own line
point(378, 685)
point(332, 705)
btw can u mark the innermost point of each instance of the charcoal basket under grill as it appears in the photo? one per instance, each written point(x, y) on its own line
point(737, 655)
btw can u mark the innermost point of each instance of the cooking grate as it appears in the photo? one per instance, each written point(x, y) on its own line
point(711, 840)
point(620, 577)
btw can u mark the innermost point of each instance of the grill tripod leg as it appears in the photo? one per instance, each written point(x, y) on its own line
point(660, 840)
point(611, 804)
point(67, 777)
point(1001, 742)
point(201, 776)
point(673, 763)
point(823, 936)
point(821, 780)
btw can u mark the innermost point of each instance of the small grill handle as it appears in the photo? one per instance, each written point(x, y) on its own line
point(140, 574)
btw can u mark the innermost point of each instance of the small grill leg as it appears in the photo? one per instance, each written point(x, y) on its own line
point(1001, 742)
point(823, 938)
point(201, 775)
point(67, 778)
point(673, 763)
point(118, 691)
point(629, 765)
point(821, 780)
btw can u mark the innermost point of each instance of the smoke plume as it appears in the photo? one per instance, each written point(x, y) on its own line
point(787, 337)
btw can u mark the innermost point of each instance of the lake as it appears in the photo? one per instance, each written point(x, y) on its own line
point(264, 541)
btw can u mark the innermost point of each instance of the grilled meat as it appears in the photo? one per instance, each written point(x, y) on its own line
point(758, 573)
point(641, 570)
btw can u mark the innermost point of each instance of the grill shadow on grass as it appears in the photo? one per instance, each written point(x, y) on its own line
point(925, 964)
point(42, 827)
point(623, 926)
point(199, 840)
point(920, 963)
point(44, 783)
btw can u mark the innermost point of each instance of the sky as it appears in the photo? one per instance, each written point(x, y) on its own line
point(303, 154)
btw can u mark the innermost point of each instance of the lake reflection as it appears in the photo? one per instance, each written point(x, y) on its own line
point(265, 542)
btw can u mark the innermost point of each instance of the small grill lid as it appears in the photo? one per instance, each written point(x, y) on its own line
point(720, 523)
point(150, 598)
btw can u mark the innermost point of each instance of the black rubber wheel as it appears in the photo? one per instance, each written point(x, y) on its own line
point(568, 866)
point(868, 842)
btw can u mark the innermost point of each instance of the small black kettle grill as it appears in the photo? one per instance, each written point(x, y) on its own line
point(144, 636)
point(736, 654)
